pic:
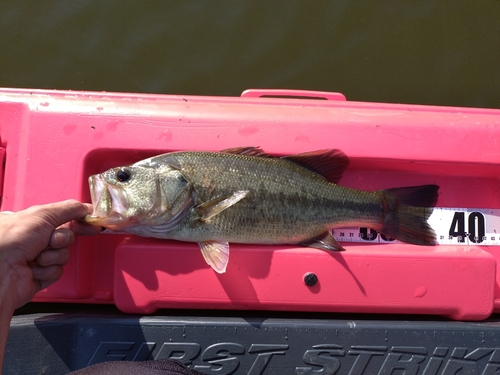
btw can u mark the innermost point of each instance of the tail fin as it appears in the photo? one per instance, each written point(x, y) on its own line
point(407, 211)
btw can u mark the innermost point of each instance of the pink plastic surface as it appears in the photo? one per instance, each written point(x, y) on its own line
point(54, 140)
point(270, 93)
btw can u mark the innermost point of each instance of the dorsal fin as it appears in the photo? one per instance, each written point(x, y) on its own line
point(248, 151)
point(329, 163)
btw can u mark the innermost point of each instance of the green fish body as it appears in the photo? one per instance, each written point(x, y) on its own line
point(243, 195)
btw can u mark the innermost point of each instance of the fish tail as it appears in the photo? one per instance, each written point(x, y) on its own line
point(406, 211)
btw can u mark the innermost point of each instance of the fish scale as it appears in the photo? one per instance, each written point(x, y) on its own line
point(271, 204)
point(243, 195)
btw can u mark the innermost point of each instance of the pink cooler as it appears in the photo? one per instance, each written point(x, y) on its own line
point(52, 141)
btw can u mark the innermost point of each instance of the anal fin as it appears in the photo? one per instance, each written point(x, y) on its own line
point(216, 254)
point(324, 241)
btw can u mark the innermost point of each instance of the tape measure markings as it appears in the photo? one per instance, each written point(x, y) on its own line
point(453, 226)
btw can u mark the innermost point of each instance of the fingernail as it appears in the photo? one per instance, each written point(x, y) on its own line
point(59, 239)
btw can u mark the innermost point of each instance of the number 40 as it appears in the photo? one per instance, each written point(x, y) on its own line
point(476, 231)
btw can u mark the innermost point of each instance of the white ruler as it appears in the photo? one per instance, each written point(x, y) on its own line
point(453, 226)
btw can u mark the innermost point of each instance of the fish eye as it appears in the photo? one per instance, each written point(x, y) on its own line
point(123, 174)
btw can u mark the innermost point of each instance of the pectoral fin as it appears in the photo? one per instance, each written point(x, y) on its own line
point(216, 254)
point(325, 241)
point(214, 207)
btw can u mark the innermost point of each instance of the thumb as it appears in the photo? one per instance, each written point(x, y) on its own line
point(59, 213)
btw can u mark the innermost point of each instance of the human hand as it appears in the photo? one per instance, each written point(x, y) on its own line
point(34, 248)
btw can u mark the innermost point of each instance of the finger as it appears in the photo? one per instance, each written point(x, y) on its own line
point(51, 257)
point(84, 229)
point(61, 237)
point(47, 275)
point(61, 212)
point(89, 207)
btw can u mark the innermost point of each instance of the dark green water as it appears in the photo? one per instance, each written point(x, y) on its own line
point(427, 52)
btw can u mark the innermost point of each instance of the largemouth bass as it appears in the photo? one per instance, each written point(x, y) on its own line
point(244, 195)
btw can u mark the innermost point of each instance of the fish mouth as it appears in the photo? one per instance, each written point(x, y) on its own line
point(99, 195)
point(106, 205)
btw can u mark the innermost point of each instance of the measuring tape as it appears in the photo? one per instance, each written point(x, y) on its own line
point(453, 226)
